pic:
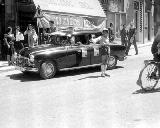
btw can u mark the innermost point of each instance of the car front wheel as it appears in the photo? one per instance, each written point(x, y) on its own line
point(112, 62)
point(47, 69)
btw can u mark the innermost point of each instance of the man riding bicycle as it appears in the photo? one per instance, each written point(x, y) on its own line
point(150, 72)
point(155, 49)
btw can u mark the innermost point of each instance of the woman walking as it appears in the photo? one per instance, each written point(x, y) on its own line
point(19, 38)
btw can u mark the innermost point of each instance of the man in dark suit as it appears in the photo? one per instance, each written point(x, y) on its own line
point(124, 36)
point(132, 39)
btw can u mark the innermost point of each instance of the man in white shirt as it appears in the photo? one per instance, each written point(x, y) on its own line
point(19, 40)
point(105, 50)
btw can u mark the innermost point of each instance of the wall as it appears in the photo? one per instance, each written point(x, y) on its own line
point(10, 15)
point(156, 15)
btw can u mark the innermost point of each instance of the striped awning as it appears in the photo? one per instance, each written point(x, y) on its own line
point(78, 7)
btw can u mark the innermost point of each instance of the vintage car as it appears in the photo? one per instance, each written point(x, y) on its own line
point(59, 54)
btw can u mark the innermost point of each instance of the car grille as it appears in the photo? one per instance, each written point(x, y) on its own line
point(22, 61)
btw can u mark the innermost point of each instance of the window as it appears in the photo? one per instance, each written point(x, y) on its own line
point(104, 1)
point(25, 1)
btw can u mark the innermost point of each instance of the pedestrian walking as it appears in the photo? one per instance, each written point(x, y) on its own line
point(105, 50)
point(123, 34)
point(111, 32)
point(9, 42)
point(34, 38)
point(19, 40)
point(132, 39)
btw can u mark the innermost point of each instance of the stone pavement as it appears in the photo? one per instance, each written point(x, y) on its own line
point(5, 68)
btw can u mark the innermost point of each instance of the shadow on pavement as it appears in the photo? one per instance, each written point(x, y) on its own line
point(33, 76)
point(77, 72)
point(141, 91)
point(90, 77)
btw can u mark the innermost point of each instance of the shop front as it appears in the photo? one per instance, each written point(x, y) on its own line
point(70, 13)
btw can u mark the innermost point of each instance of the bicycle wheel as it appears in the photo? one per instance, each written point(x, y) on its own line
point(150, 76)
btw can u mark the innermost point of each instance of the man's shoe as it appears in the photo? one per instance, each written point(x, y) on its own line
point(102, 75)
point(107, 75)
point(136, 54)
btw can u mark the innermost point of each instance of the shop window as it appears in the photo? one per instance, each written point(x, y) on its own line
point(104, 1)
point(25, 1)
point(117, 32)
point(141, 16)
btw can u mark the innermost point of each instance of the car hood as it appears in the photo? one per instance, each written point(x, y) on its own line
point(39, 49)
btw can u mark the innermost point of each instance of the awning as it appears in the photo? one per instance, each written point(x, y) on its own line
point(79, 7)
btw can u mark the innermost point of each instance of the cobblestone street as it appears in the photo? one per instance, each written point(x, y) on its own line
point(80, 98)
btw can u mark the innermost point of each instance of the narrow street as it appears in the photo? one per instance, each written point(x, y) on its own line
point(80, 98)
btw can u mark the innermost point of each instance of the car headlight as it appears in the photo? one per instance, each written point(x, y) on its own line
point(31, 58)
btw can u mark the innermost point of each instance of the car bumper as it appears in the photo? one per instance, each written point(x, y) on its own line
point(23, 64)
point(26, 69)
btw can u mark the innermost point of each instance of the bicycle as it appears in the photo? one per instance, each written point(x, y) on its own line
point(149, 75)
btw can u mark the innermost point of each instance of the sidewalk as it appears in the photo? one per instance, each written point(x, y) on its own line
point(5, 68)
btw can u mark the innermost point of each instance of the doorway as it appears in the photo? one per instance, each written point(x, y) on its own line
point(2, 29)
point(149, 28)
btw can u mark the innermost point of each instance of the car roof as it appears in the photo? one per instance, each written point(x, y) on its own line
point(85, 32)
point(70, 33)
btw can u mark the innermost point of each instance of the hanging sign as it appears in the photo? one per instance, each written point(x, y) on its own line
point(84, 52)
point(96, 51)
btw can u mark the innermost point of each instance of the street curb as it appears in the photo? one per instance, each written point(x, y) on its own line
point(142, 45)
point(5, 68)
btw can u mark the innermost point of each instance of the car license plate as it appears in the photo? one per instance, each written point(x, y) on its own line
point(20, 68)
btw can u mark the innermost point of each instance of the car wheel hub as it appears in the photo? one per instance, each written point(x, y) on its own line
point(49, 69)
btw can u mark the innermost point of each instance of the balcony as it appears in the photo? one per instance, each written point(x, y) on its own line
point(26, 6)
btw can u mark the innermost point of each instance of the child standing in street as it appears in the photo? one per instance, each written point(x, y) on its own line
point(105, 50)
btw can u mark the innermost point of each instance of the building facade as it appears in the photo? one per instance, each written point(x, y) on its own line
point(78, 14)
point(156, 4)
point(13, 13)
point(140, 12)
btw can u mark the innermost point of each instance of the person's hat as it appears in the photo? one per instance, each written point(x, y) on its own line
point(17, 27)
point(132, 23)
point(105, 30)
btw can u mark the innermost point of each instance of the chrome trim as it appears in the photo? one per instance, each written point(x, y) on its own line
point(26, 68)
point(66, 69)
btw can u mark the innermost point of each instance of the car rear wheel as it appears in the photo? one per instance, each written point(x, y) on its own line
point(48, 69)
point(112, 62)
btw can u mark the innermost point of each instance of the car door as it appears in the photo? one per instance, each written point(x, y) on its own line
point(85, 55)
point(95, 54)
point(78, 56)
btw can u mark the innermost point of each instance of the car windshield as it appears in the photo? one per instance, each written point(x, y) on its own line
point(70, 39)
point(58, 40)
